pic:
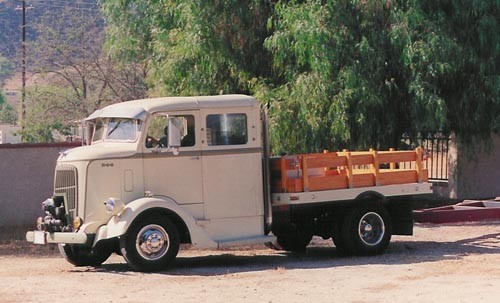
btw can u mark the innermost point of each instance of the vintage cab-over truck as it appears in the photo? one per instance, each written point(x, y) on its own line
point(156, 173)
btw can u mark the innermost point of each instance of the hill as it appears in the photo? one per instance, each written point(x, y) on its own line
point(10, 19)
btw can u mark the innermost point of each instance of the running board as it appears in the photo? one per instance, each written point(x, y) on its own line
point(246, 241)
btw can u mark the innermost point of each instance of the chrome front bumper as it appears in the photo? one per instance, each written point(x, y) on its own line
point(41, 237)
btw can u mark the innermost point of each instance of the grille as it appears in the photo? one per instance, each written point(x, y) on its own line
point(65, 184)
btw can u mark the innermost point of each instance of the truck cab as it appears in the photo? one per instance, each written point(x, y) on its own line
point(156, 173)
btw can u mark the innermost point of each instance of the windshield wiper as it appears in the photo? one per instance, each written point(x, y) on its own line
point(114, 128)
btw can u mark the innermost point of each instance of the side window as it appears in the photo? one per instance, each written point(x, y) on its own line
point(158, 131)
point(227, 129)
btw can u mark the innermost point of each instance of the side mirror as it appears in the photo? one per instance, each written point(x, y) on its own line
point(175, 131)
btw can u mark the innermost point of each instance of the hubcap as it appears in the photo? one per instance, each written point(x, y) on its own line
point(152, 242)
point(371, 229)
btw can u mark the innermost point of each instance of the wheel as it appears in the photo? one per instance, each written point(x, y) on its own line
point(80, 255)
point(367, 230)
point(294, 241)
point(150, 244)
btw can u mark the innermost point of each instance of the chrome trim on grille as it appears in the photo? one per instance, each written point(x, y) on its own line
point(66, 185)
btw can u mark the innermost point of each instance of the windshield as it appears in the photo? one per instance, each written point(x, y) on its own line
point(116, 129)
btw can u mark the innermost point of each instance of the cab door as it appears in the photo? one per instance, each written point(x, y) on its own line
point(178, 177)
point(232, 174)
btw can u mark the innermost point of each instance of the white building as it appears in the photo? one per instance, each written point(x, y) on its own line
point(8, 134)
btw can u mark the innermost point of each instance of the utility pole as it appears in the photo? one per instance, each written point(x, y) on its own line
point(23, 48)
point(23, 66)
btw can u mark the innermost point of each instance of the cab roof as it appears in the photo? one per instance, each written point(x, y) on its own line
point(138, 109)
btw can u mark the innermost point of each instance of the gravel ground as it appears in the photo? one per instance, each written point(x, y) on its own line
point(440, 263)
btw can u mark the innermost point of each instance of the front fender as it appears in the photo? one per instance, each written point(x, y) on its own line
point(118, 225)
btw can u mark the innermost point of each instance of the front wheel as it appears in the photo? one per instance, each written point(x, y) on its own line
point(150, 244)
point(367, 230)
point(80, 255)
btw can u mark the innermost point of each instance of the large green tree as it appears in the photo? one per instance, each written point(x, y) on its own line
point(335, 73)
point(192, 47)
point(360, 73)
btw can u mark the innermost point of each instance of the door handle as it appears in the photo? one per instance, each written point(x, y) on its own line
point(195, 158)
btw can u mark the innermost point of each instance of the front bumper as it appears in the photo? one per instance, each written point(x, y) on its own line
point(42, 237)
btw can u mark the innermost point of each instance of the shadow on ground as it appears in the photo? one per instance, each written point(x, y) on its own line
point(399, 252)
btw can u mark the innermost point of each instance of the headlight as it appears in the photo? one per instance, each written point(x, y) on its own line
point(77, 222)
point(113, 206)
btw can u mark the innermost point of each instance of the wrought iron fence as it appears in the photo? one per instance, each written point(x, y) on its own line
point(435, 147)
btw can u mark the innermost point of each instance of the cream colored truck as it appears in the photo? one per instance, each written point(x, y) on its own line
point(156, 173)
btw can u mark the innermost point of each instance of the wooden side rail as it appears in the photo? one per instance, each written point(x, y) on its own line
point(338, 170)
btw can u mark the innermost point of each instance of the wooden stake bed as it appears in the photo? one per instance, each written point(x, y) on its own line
point(343, 170)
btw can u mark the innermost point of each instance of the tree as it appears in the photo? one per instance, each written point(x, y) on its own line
point(345, 85)
point(48, 114)
point(7, 113)
point(335, 73)
point(192, 47)
point(358, 74)
point(452, 50)
point(5, 70)
point(75, 76)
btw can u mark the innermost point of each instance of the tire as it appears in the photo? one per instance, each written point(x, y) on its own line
point(151, 244)
point(80, 255)
point(367, 230)
point(294, 242)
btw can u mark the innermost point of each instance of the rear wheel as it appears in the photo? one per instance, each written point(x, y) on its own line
point(150, 244)
point(80, 255)
point(367, 230)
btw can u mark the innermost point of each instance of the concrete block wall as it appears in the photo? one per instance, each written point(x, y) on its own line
point(26, 179)
point(474, 173)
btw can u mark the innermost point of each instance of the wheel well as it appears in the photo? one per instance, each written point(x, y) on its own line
point(184, 235)
point(371, 196)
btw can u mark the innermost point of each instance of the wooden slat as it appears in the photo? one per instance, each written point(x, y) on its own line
point(350, 178)
point(419, 163)
point(326, 160)
point(361, 159)
point(305, 173)
point(363, 180)
point(392, 164)
point(284, 175)
point(375, 166)
point(294, 186)
point(424, 175)
point(397, 156)
point(327, 182)
point(398, 177)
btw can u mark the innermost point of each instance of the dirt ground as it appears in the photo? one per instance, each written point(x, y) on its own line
point(440, 263)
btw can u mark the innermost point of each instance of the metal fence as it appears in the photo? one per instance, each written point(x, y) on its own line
point(435, 147)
